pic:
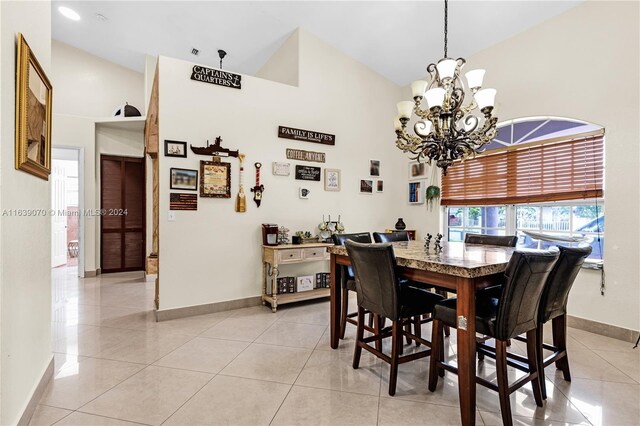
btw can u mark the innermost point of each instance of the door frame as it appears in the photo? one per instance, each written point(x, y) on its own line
point(81, 235)
point(144, 211)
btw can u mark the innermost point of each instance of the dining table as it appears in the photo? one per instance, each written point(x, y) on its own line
point(456, 267)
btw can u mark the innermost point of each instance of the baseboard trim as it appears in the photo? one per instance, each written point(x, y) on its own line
point(603, 329)
point(209, 308)
point(37, 394)
point(89, 274)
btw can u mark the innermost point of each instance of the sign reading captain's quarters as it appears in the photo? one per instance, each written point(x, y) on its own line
point(308, 173)
point(219, 77)
point(306, 135)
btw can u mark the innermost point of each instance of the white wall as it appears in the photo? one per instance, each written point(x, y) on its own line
point(90, 86)
point(563, 67)
point(25, 241)
point(213, 254)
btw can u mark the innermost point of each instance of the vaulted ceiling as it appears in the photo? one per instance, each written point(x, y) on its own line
point(397, 39)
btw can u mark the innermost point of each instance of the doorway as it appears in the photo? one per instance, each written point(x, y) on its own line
point(66, 200)
point(122, 205)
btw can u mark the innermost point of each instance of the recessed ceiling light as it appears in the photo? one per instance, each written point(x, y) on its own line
point(100, 17)
point(69, 13)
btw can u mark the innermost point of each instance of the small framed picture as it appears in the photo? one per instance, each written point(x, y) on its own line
point(374, 167)
point(175, 149)
point(380, 186)
point(185, 179)
point(417, 170)
point(331, 180)
point(366, 186)
point(303, 193)
point(281, 168)
point(417, 191)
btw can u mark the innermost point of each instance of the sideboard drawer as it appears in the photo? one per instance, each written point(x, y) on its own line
point(292, 255)
point(318, 253)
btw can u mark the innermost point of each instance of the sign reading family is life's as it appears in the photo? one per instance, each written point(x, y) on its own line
point(306, 135)
point(218, 77)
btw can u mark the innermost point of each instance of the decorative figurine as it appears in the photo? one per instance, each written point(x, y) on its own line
point(438, 246)
point(427, 241)
point(258, 189)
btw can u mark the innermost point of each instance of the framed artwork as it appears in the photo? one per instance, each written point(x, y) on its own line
point(175, 149)
point(303, 193)
point(185, 179)
point(366, 186)
point(33, 114)
point(215, 179)
point(374, 167)
point(379, 186)
point(331, 179)
point(179, 201)
point(311, 173)
point(417, 170)
point(416, 191)
point(281, 168)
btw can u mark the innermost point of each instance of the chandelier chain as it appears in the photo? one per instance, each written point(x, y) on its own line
point(446, 25)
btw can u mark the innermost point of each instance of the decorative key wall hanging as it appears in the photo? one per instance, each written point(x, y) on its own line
point(258, 189)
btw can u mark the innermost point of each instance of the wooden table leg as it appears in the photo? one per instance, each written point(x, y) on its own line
point(466, 349)
point(335, 301)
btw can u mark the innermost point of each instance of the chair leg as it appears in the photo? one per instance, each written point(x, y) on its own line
point(540, 359)
point(532, 356)
point(407, 328)
point(437, 342)
point(359, 336)
point(377, 325)
point(447, 330)
point(371, 315)
point(503, 382)
point(345, 311)
point(417, 325)
point(396, 345)
point(559, 326)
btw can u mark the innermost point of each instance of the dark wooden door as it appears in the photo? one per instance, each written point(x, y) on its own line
point(122, 204)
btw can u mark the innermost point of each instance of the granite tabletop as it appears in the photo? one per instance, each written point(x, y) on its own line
point(458, 259)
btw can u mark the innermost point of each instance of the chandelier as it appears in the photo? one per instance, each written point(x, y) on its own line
point(447, 129)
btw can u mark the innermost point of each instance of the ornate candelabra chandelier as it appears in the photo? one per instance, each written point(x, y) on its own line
point(448, 129)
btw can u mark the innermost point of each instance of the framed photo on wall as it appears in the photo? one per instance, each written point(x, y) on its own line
point(33, 114)
point(374, 167)
point(379, 186)
point(331, 179)
point(215, 179)
point(416, 191)
point(417, 170)
point(366, 186)
point(175, 149)
point(184, 179)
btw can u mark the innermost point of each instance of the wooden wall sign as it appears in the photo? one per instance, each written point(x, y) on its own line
point(218, 77)
point(306, 135)
point(301, 155)
point(308, 173)
point(180, 201)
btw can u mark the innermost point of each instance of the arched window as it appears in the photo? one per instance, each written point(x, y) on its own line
point(541, 178)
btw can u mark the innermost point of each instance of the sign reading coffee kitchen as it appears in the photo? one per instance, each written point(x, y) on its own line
point(306, 135)
point(218, 77)
point(308, 173)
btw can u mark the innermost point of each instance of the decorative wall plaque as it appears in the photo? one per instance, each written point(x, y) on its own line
point(180, 201)
point(306, 135)
point(218, 77)
point(215, 179)
point(301, 155)
point(308, 173)
point(281, 169)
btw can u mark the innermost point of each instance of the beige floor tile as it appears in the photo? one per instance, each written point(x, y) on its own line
point(308, 406)
point(413, 381)
point(604, 403)
point(346, 344)
point(495, 419)
point(46, 416)
point(627, 362)
point(61, 361)
point(257, 312)
point(83, 419)
point(142, 346)
point(232, 401)
point(398, 412)
point(597, 342)
point(292, 334)
point(266, 362)
point(588, 365)
point(333, 370)
point(310, 313)
point(203, 354)
point(91, 341)
point(245, 329)
point(150, 396)
point(78, 383)
point(192, 325)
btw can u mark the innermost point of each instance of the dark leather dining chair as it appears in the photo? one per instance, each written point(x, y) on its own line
point(391, 237)
point(491, 240)
point(506, 312)
point(381, 292)
point(348, 283)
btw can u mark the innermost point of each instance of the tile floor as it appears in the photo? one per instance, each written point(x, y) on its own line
point(114, 365)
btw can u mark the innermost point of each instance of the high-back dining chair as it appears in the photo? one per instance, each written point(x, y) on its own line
point(491, 240)
point(390, 237)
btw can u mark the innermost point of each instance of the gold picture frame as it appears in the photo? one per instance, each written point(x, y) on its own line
point(33, 114)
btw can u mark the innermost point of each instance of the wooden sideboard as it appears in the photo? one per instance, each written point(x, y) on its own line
point(275, 256)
